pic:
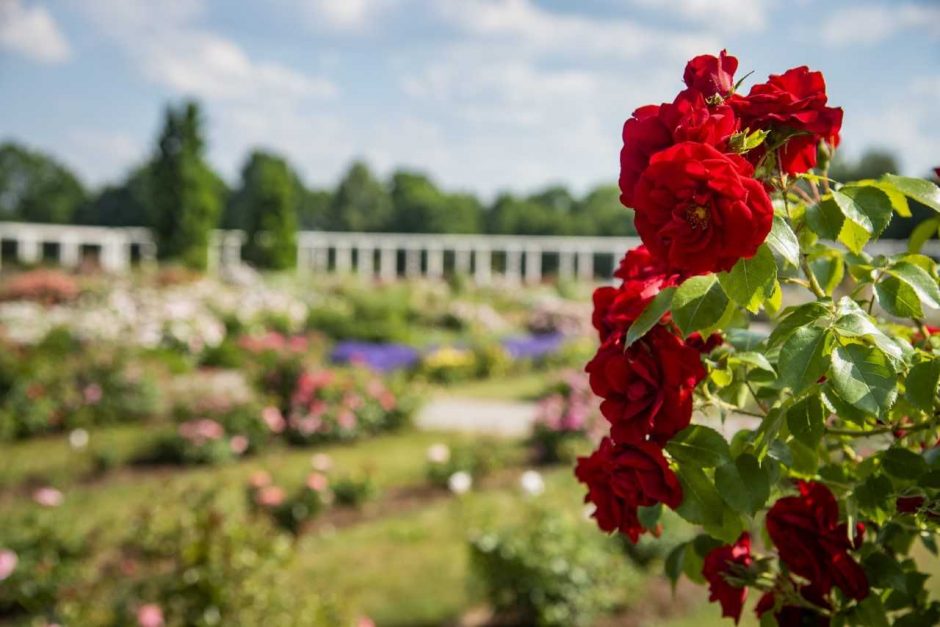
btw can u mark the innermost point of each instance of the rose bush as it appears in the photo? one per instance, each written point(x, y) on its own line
point(822, 494)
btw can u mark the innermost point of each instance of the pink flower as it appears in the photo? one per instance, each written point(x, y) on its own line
point(317, 482)
point(321, 462)
point(92, 394)
point(365, 621)
point(260, 479)
point(274, 419)
point(8, 561)
point(270, 496)
point(200, 431)
point(238, 444)
point(346, 420)
point(150, 615)
point(48, 497)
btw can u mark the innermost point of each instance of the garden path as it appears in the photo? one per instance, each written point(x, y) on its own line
point(514, 418)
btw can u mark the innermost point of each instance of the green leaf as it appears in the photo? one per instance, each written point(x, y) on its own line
point(650, 316)
point(854, 236)
point(871, 202)
point(829, 269)
point(752, 359)
point(852, 211)
point(922, 191)
point(903, 464)
point(701, 503)
point(803, 358)
point(699, 446)
point(805, 420)
point(863, 378)
point(673, 564)
point(747, 282)
point(649, 516)
point(855, 323)
point(924, 285)
point(836, 405)
point(898, 298)
point(698, 303)
point(922, 233)
point(783, 241)
point(898, 200)
point(796, 317)
point(743, 484)
point(870, 613)
point(921, 384)
point(825, 218)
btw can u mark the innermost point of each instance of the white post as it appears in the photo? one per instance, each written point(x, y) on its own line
point(320, 258)
point(462, 261)
point(513, 265)
point(483, 262)
point(412, 262)
point(435, 262)
point(533, 265)
point(343, 258)
point(366, 262)
point(565, 265)
point(586, 265)
point(28, 249)
point(148, 254)
point(388, 263)
point(69, 251)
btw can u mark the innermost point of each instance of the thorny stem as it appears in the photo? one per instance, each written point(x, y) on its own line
point(864, 433)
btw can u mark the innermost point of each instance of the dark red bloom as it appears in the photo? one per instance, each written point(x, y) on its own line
point(792, 103)
point(705, 345)
point(719, 564)
point(622, 477)
point(711, 75)
point(653, 128)
point(699, 211)
point(909, 504)
point(615, 308)
point(647, 389)
point(793, 615)
point(814, 544)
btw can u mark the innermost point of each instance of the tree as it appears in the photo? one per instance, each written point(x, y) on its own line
point(185, 194)
point(420, 207)
point(268, 201)
point(600, 213)
point(36, 188)
point(872, 164)
point(125, 204)
point(361, 202)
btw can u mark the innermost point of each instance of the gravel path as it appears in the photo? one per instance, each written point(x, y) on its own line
point(514, 418)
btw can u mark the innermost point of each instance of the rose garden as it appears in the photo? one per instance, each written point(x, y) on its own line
point(741, 426)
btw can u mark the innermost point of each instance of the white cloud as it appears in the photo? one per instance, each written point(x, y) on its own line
point(910, 118)
point(348, 15)
point(32, 32)
point(869, 25)
point(174, 51)
point(719, 15)
point(524, 24)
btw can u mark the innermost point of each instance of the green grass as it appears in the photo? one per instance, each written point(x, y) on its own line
point(524, 387)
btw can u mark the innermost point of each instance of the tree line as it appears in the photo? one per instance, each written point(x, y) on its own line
point(176, 193)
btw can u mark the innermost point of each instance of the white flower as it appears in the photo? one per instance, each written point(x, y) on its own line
point(532, 483)
point(78, 439)
point(438, 453)
point(460, 482)
point(321, 462)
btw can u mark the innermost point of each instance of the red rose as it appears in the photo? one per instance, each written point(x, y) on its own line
point(615, 308)
point(720, 563)
point(699, 210)
point(796, 613)
point(791, 103)
point(711, 75)
point(622, 477)
point(909, 504)
point(812, 542)
point(653, 128)
point(647, 389)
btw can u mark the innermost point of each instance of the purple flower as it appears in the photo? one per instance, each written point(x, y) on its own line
point(379, 357)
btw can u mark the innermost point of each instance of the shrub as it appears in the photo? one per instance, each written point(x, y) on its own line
point(289, 512)
point(203, 567)
point(47, 287)
point(549, 571)
point(46, 565)
point(565, 419)
point(477, 460)
point(353, 491)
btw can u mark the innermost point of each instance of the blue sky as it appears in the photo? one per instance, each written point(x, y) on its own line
point(485, 95)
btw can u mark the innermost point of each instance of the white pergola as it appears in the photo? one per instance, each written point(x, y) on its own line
point(114, 244)
point(512, 259)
